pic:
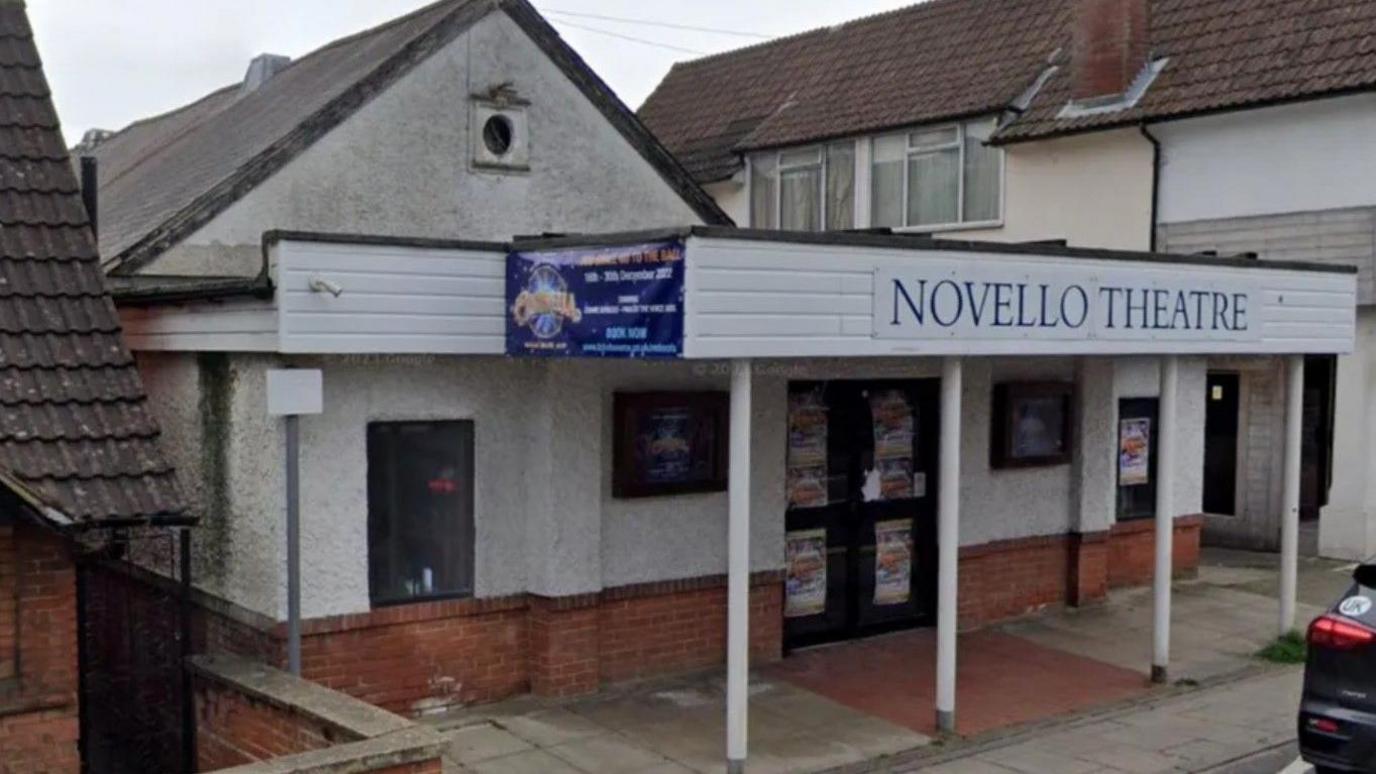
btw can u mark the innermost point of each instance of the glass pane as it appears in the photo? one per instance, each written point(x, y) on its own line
point(933, 138)
point(841, 186)
point(886, 182)
point(800, 158)
point(763, 191)
point(420, 510)
point(933, 187)
point(800, 202)
point(983, 180)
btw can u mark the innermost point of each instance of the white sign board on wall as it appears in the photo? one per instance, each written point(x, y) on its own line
point(295, 391)
point(784, 298)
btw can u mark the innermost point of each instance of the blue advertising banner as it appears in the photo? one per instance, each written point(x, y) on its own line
point(624, 302)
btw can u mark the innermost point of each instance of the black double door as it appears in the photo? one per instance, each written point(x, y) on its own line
point(861, 521)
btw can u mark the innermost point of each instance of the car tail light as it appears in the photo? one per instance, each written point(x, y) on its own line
point(1324, 725)
point(1339, 634)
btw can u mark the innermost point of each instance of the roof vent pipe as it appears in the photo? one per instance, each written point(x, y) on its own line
point(1112, 45)
point(261, 70)
point(90, 191)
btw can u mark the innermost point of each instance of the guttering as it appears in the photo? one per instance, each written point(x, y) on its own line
point(1155, 183)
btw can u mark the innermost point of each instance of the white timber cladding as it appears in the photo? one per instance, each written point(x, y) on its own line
point(750, 298)
point(394, 299)
point(233, 325)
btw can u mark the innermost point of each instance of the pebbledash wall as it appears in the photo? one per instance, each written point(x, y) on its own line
point(573, 587)
point(39, 724)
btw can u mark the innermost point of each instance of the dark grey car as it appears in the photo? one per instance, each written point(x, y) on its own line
point(1337, 722)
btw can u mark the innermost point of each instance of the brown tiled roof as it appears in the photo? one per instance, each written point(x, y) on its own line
point(950, 58)
point(163, 177)
point(935, 60)
point(1232, 54)
point(77, 441)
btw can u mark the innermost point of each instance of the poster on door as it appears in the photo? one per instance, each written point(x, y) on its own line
point(893, 562)
point(805, 589)
point(807, 450)
point(1134, 451)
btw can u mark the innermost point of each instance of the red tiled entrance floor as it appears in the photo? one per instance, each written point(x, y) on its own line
point(1001, 680)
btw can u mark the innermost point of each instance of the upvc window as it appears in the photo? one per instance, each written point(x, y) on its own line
point(420, 510)
point(939, 176)
point(804, 190)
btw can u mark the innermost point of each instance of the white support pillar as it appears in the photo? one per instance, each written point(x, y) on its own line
point(1165, 516)
point(738, 572)
point(948, 545)
point(1290, 517)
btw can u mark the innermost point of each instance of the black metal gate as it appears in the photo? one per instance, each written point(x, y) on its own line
point(136, 706)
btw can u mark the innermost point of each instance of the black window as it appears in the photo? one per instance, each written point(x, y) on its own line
point(420, 510)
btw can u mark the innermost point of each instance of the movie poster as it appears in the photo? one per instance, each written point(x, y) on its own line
point(667, 440)
point(893, 562)
point(805, 590)
point(807, 450)
point(1134, 451)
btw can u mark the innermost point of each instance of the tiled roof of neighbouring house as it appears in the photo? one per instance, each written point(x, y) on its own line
point(77, 441)
point(163, 177)
point(945, 59)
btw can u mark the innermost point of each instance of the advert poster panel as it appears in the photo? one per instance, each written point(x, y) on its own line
point(805, 590)
point(613, 302)
point(893, 562)
point(807, 451)
point(1134, 452)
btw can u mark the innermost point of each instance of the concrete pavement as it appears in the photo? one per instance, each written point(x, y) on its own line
point(1228, 712)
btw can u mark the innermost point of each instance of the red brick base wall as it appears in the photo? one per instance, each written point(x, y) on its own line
point(428, 656)
point(39, 726)
point(1132, 551)
point(233, 729)
point(1012, 578)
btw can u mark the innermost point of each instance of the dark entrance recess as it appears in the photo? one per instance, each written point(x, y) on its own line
point(1316, 440)
point(133, 639)
point(1220, 444)
point(876, 479)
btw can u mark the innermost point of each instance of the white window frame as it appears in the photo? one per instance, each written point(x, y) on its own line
point(823, 163)
point(960, 224)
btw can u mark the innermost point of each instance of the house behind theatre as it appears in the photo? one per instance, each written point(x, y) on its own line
point(80, 467)
point(1233, 127)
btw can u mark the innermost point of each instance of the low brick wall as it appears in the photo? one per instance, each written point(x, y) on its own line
point(427, 657)
point(254, 718)
point(1132, 551)
point(1012, 578)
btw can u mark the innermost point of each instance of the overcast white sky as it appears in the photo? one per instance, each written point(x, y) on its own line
point(110, 63)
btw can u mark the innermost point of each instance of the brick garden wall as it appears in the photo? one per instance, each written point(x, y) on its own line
point(38, 700)
point(248, 713)
point(233, 728)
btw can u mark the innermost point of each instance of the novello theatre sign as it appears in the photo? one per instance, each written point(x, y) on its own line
point(957, 299)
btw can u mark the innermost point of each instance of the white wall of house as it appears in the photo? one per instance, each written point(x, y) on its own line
point(732, 197)
point(1092, 190)
point(1303, 157)
point(401, 166)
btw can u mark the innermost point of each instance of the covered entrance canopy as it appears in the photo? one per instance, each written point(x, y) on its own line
point(725, 294)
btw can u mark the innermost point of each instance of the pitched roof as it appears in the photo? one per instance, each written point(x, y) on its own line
point(77, 442)
point(163, 177)
point(947, 59)
point(936, 60)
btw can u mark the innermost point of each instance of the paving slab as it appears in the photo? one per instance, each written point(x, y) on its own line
point(481, 742)
point(611, 754)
